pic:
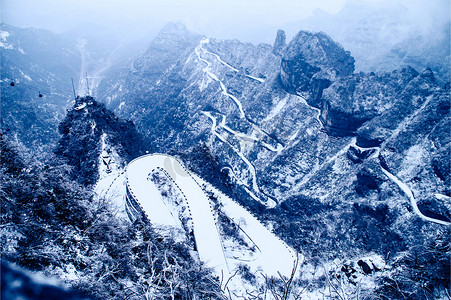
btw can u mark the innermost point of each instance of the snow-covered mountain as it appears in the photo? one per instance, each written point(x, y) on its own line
point(247, 143)
point(37, 67)
point(299, 135)
point(260, 111)
point(383, 36)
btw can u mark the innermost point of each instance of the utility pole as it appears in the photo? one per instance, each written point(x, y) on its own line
point(87, 83)
point(73, 87)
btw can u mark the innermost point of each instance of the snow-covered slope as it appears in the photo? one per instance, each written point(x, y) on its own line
point(111, 183)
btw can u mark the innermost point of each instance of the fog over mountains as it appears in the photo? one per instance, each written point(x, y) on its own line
point(304, 158)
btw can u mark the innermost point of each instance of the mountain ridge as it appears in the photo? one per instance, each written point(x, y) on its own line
point(348, 168)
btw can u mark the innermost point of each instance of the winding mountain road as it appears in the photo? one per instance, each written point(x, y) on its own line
point(274, 255)
point(404, 187)
point(243, 138)
point(412, 199)
point(207, 237)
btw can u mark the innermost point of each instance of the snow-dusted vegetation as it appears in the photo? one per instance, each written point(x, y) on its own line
point(174, 165)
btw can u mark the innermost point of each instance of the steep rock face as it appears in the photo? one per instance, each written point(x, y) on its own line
point(379, 40)
point(311, 57)
point(350, 101)
point(322, 71)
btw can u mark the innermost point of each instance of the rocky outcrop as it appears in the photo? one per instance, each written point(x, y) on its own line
point(351, 101)
point(358, 155)
point(81, 135)
point(322, 71)
point(312, 57)
point(279, 43)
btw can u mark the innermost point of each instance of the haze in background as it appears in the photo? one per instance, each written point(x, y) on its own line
point(223, 18)
point(252, 20)
point(381, 34)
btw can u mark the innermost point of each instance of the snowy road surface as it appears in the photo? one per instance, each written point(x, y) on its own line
point(274, 255)
point(255, 191)
point(205, 232)
point(413, 202)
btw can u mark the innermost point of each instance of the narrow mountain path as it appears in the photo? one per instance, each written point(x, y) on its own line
point(97, 75)
point(269, 203)
point(405, 188)
point(318, 115)
point(213, 76)
point(261, 80)
point(242, 137)
point(208, 70)
point(82, 89)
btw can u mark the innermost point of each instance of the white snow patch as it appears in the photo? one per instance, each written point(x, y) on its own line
point(5, 46)
point(413, 160)
point(4, 35)
point(111, 184)
point(442, 197)
point(81, 106)
point(276, 109)
point(25, 75)
point(261, 80)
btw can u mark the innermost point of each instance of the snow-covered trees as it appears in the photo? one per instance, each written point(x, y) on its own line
point(52, 224)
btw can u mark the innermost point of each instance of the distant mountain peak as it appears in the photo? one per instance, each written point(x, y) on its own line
point(174, 36)
point(280, 42)
point(174, 28)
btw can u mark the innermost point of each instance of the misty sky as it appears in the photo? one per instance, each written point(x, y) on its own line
point(59, 15)
point(218, 18)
